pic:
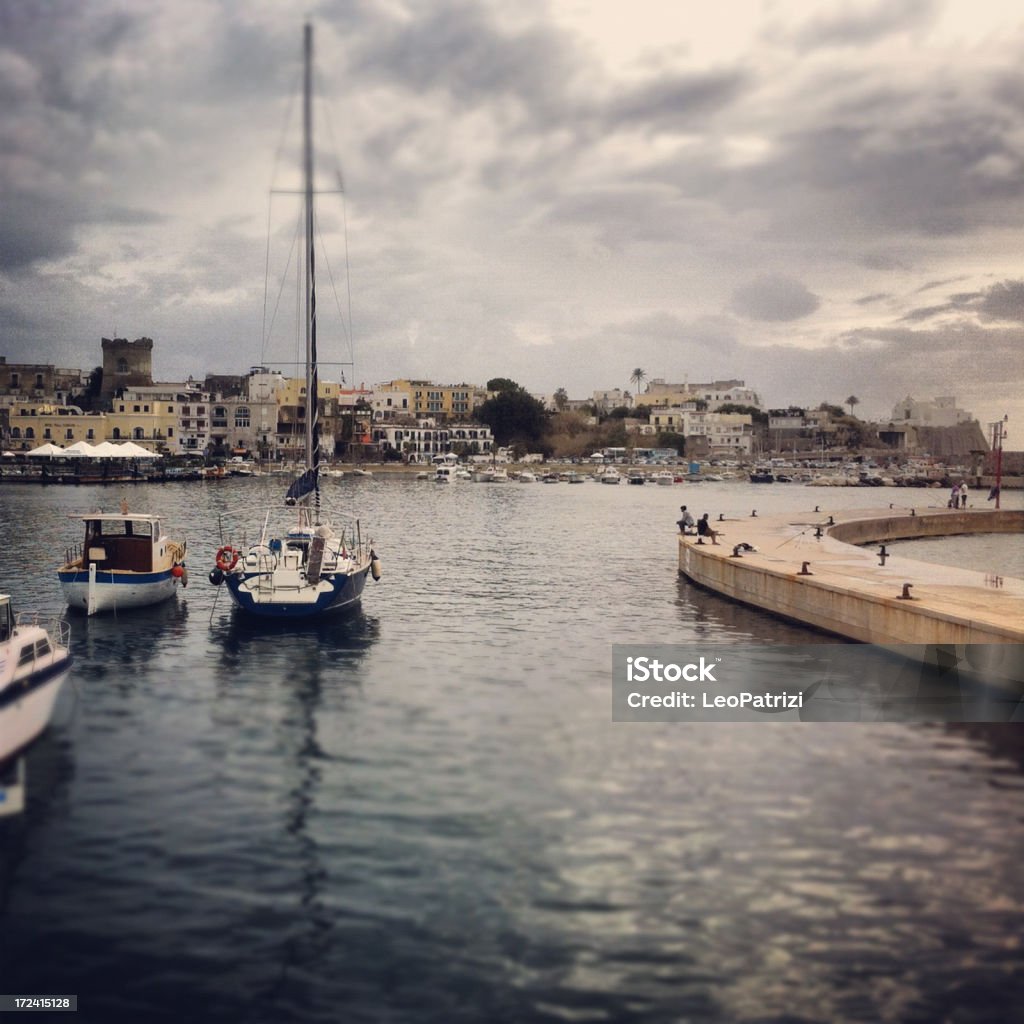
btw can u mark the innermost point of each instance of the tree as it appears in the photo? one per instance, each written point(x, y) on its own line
point(503, 384)
point(561, 398)
point(89, 399)
point(513, 414)
point(638, 376)
point(851, 402)
point(670, 439)
point(757, 416)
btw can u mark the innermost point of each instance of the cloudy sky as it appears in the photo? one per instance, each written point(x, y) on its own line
point(821, 199)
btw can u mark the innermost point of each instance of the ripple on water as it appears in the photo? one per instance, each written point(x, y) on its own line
point(425, 812)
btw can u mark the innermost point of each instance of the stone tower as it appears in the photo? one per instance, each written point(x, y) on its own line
point(126, 364)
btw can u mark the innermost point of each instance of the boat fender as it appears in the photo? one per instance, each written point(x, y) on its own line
point(184, 577)
point(374, 566)
point(227, 558)
point(177, 571)
point(216, 577)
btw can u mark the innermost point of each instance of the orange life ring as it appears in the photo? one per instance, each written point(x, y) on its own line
point(227, 558)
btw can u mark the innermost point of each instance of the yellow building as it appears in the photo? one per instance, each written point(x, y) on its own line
point(437, 401)
point(34, 424)
point(148, 422)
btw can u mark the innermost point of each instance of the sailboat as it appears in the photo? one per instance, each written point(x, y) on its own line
point(305, 567)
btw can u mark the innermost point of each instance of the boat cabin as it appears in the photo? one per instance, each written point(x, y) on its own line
point(124, 542)
point(6, 618)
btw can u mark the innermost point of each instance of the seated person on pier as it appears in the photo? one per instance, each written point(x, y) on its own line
point(704, 529)
point(686, 523)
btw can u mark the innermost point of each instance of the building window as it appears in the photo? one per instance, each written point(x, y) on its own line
point(116, 434)
point(90, 434)
point(135, 408)
point(46, 434)
point(170, 431)
point(139, 433)
point(69, 434)
point(242, 416)
point(14, 380)
point(39, 380)
point(170, 408)
point(122, 365)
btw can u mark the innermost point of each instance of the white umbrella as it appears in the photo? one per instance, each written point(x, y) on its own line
point(106, 450)
point(130, 448)
point(80, 448)
point(49, 450)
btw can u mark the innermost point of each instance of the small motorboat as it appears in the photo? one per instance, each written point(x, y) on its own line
point(125, 561)
point(34, 662)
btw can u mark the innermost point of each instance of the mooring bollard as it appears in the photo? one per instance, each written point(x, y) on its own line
point(804, 570)
point(882, 555)
point(905, 596)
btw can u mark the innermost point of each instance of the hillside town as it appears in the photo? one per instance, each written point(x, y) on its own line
point(260, 416)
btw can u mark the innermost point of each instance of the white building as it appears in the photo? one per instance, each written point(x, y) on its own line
point(605, 401)
point(390, 405)
point(939, 412)
point(714, 394)
point(732, 431)
point(425, 440)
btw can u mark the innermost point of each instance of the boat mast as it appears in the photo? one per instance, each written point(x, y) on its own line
point(312, 382)
point(307, 169)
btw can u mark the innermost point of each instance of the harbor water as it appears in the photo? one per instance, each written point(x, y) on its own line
point(423, 811)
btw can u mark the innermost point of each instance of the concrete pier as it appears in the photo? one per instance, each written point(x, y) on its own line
point(806, 568)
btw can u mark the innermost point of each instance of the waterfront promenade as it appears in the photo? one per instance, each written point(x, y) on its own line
point(806, 567)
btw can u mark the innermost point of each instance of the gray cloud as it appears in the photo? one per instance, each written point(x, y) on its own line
point(1002, 301)
point(842, 26)
point(513, 195)
point(774, 297)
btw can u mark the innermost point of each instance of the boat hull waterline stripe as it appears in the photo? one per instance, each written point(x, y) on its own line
point(19, 689)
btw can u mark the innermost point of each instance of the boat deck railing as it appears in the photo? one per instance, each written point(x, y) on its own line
point(239, 535)
point(58, 629)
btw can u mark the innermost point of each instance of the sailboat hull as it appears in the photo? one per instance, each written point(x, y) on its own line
point(283, 598)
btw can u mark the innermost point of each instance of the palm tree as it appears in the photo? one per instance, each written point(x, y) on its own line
point(638, 376)
point(851, 402)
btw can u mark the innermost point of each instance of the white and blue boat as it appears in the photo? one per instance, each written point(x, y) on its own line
point(303, 567)
point(34, 662)
point(125, 561)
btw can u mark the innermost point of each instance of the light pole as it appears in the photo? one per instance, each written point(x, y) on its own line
point(998, 433)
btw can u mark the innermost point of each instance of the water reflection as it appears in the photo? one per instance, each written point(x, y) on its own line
point(709, 616)
point(49, 768)
point(123, 645)
point(313, 669)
